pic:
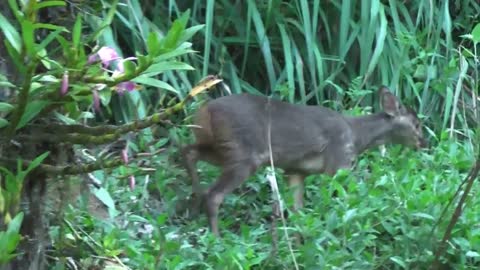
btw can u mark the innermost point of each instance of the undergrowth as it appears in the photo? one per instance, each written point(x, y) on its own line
point(380, 215)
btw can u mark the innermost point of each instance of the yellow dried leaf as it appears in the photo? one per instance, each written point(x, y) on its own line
point(204, 84)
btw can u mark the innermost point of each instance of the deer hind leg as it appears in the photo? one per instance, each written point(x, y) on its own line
point(233, 175)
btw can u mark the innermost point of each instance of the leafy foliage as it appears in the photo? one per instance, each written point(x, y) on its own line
point(384, 214)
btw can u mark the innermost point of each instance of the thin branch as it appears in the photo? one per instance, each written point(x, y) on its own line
point(456, 215)
point(70, 169)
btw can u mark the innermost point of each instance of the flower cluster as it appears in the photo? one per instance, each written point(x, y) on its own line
point(107, 57)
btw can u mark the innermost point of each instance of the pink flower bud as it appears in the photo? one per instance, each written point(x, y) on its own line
point(64, 86)
point(96, 100)
point(125, 155)
point(131, 182)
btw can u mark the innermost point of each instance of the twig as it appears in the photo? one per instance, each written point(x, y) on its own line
point(456, 215)
point(70, 169)
point(274, 186)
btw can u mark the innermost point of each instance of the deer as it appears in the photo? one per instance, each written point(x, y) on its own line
point(232, 132)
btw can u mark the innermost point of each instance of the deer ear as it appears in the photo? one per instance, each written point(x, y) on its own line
point(389, 102)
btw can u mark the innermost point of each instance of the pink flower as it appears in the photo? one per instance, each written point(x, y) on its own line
point(92, 59)
point(107, 55)
point(64, 86)
point(131, 182)
point(126, 86)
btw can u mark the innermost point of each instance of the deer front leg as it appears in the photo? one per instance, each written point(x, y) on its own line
point(296, 183)
point(232, 176)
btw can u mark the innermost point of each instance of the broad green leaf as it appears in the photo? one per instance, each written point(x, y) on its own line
point(33, 108)
point(5, 83)
point(472, 253)
point(105, 97)
point(476, 33)
point(104, 196)
point(15, 223)
point(3, 123)
point(10, 33)
point(5, 107)
point(65, 119)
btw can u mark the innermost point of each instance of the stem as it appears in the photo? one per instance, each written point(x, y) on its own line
point(22, 100)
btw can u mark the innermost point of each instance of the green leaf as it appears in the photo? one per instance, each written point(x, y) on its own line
point(476, 33)
point(77, 31)
point(14, 54)
point(45, 4)
point(3, 123)
point(129, 67)
point(142, 60)
point(65, 119)
point(176, 31)
point(53, 35)
point(104, 196)
point(190, 32)
point(15, 223)
point(5, 107)
point(10, 33)
point(164, 66)
point(4, 81)
point(399, 261)
point(208, 36)
point(49, 27)
point(153, 44)
point(28, 37)
point(105, 97)
point(155, 83)
point(36, 162)
point(33, 108)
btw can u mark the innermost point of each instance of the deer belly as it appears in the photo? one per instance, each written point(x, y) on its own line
point(312, 164)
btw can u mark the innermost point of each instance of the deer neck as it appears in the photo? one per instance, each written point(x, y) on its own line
point(371, 130)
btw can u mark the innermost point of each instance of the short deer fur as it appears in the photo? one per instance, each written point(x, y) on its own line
point(231, 132)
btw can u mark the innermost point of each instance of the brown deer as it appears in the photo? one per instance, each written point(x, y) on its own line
point(232, 132)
